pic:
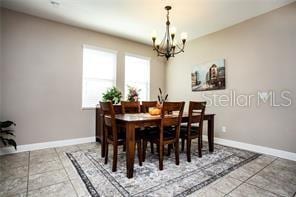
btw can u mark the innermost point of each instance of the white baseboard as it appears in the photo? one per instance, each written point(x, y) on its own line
point(255, 148)
point(52, 144)
point(231, 143)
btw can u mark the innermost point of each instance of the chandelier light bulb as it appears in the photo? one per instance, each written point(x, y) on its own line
point(184, 36)
point(153, 34)
point(173, 30)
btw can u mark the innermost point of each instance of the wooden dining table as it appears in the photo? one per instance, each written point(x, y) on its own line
point(132, 121)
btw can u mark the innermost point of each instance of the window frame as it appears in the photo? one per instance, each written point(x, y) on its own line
point(87, 46)
point(149, 71)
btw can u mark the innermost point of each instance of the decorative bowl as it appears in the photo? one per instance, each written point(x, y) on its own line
point(154, 111)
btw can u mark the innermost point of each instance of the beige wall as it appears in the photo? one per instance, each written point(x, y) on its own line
point(259, 56)
point(1, 78)
point(42, 70)
point(0, 63)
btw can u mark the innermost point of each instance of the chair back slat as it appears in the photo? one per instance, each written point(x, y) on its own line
point(130, 107)
point(170, 121)
point(147, 104)
point(172, 106)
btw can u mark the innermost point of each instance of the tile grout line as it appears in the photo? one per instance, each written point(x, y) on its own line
point(260, 171)
point(46, 170)
point(67, 172)
point(47, 186)
point(50, 184)
point(245, 181)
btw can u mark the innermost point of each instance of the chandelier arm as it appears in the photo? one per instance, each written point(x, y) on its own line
point(162, 44)
point(181, 49)
point(160, 51)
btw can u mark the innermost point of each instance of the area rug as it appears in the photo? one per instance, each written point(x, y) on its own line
point(148, 180)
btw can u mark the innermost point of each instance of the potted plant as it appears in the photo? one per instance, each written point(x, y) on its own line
point(6, 132)
point(112, 94)
point(133, 94)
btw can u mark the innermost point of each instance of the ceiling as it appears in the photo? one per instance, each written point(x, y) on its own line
point(136, 19)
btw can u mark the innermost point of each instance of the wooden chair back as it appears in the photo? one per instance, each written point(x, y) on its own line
point(147, 104)
point(196, 115)
point(130, 107)
point(171, 113)
point(109, 123)
point(171, 116)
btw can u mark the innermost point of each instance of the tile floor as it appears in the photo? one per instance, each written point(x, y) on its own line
point(48, 172)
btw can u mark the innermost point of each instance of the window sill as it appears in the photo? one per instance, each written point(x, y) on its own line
point(88, 108)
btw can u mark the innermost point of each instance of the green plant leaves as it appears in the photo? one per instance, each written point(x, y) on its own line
point(6, 124)
point(112, 94)
point(4, 132)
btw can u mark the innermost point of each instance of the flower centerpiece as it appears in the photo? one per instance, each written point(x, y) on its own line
point(133, 94)
point(112, 94)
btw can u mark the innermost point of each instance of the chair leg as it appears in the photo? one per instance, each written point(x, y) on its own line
point(152, 148)
point(161, 157)
point(170, 146)
point(106, 153)
point(124, 147)
point(114, 165)
point(144, 150)
point(182, 144)
point(177, 152)
point(139, 147)
point(199, 147)
point(188, 149)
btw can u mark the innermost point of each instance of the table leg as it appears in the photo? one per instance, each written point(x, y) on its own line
point(211, 134)
point(130, 149)
point(103, 141)
point(103, 136)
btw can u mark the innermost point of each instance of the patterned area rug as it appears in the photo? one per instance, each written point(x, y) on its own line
point(148, 180)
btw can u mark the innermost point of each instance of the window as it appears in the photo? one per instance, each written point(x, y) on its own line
point(99, 74)
point(137, 74)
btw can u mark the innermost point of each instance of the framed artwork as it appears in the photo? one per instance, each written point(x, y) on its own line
point(208, 76)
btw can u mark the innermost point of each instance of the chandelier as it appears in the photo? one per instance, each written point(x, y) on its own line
point(168, 47)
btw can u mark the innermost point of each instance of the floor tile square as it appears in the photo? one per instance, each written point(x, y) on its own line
point(273, 184)
point(37, 181)
point(58, 190)
point(37, 168)
point(44, 158)
point(69, 149)
point(42, 152)
point(9, 187)
point(226, 184)
point(246, 190)
point(16, 172)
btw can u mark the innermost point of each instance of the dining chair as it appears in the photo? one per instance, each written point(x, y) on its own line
point(128, 107)
point(147, 104)
point(169, 130)
point(194, 127)
point(113, 136)
point(148, 130)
